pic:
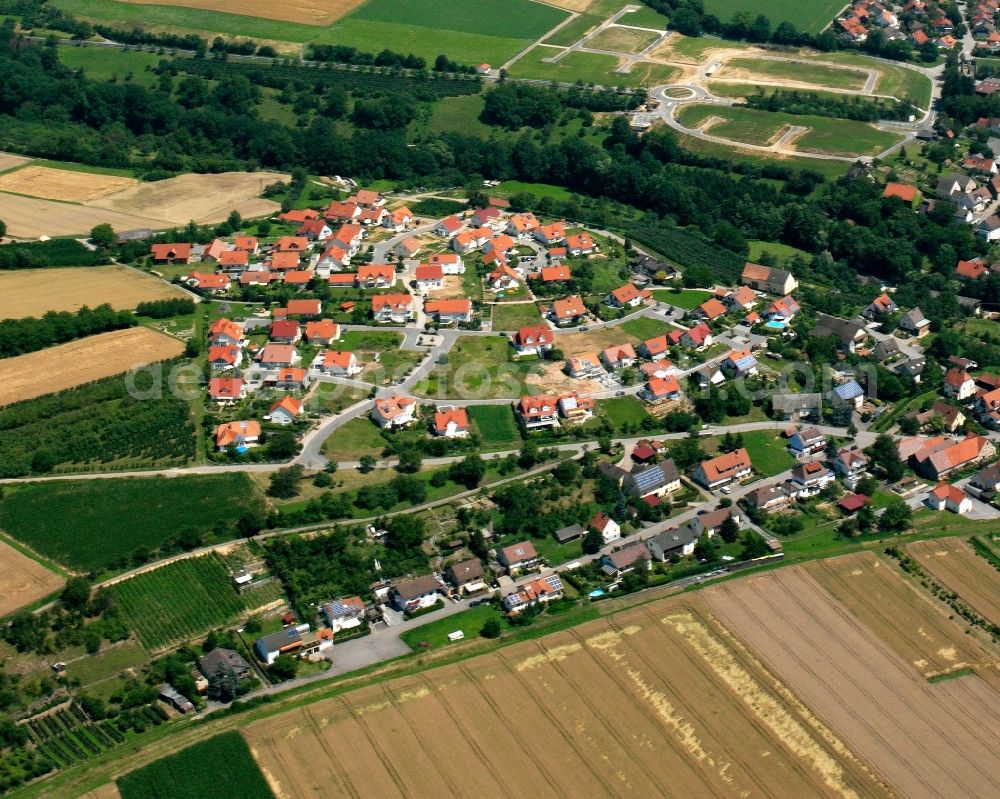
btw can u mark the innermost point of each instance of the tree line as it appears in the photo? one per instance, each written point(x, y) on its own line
point(847, 107)
point(20, 336)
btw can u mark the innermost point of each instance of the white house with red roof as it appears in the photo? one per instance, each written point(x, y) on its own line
point(284, 411)
point(662, 389)
point(959, 384)
point(620, 356)
point(322, 332)
point(609, 529)
point(451, 263)
point(948, 497)
point(579, 244)
point(428, 277)
point(180, 253)
point(226, 390)
point(533, 340)
point(449, 312)
point(395, 411)
point(397, 308)
point(627, 296)
point(576, 409)
point(567, 311)
point(224, 357)
point(224, 332)
point(276, 355)
point(451, 422)
point(398, 220)
point(551, 234)
point(448, 227)
point(540, 410)
point(212, 282)
point(697, 337)
point(337, 363)
point(724, 469)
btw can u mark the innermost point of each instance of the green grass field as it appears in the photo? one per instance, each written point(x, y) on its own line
point(622, 410)
point(767, 452)
point(511, 316)
point(509, 187)
point(783, 252)
point(685, 298)
point(895, 81)
point(736, 90)
point(459, 114)
point(352, 440)
point(810, 16)
point(694, 48)
point(222, 766)
point(181, 601)
point(108, 662)
point(95, 525)
point(622, 40)
point(478, 367)
point(588, 67)
point(496, 425)
point(828, 168)
point(825, 135)
point(644, 327)
point(820, 75)
point(435, 634)
point(109, 63)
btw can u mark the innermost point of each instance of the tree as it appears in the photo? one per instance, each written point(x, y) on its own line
point(704, 549)
point(897, 517)
point(75, 594)
point(468, 471)
point(491, 629)
point(282, 445)
point(250, 523)
point(409, 461)
point(885, 454)
point(729, 530)
point(592, 542)
point(3, 228)
point(754, 546)
point(528, 456)
point(367, 464)
point(103, 236)
point(285, 482)
point(285, 667)
point(866, 518)
point(323, 480)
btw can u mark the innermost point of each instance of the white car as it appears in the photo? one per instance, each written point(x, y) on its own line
point(727, 490)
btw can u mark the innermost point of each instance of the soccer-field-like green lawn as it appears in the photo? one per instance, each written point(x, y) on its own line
point(471, 33)
point(808, 15)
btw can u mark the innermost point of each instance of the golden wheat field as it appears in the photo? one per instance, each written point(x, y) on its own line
point(61, 184)
point(23, 580)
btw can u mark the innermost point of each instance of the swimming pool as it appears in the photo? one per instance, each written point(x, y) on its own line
point(776, 324)
point(596, 593)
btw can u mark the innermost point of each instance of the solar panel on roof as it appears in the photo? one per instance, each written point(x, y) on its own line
point(649, 478)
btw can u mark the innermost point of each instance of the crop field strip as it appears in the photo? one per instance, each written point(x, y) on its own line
point(924, 739)
point(23, 580)
point(68, 736)
point(959, 569)
point(179, 601)
point(598, 712)
point(899, 613)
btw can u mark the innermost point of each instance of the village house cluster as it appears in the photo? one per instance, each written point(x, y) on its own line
point(918, 22)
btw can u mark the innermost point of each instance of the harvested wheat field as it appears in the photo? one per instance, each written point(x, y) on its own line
point(23, 580)
point(203, 198)
point(924, 739)
point(30, 218)
point(625, 706)
point(62, 184)
point(109, 791)
point(953, 563)
point(10, 161)
point(900, 613)
point(305, 12)
point(33, 292)
point(82, 361)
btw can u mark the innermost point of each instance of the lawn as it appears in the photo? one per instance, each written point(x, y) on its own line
point(223, 762)
point(182, 600)
point(513, 316)
point(511, 187)
point(747, 126)
point(435, 634)
point(98, 525)
point(842, 137)
point(556, 553)
point(607, 273)
point(822, 76)
point(107, 663)
point(622, 40)
point(810, 16)
point(767, 452)
point(459, 114)
point(334, 397)
point(478, 367)
point(109, 63)
point(496, 426)
point(685, 298)
point(829, 168)
point(352, 440)
point(782, 252)
point(588, 67)
point(644, 327)
point(622, 410)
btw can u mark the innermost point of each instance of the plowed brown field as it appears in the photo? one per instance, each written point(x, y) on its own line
point(652, 702)
point(23, 580)
point(961, 570)
point(62, 184)
point(901, 614)
point(32, 292)
point(925, 739)
point(82, 361)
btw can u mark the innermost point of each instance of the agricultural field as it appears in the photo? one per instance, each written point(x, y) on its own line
point(180, 601)
point(747, 126)
point(69, 736)
point(654, 696)
point(96, 426)
point(915, 629)
point(954, 564)
point(622, 40)
point(61, 184)
point(793, 72)
point(111, 64)
point(33, 292)
point(30, 218)
point(310, 12)
point(588, 67)
point(783, 252)
point(90, 525)
point(496, 426)
point(925, 739)
point(894, 80)
point(82, 361)
point(23, 580)
point(811, 16)
point(224, 761)
point(10, 161)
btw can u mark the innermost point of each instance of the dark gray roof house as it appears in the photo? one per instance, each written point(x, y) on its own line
point(790, 406)
point(570, 533)
point(672, 542)
point(886, 349)
point(847, 332)
point(644, 480)
point(219, 656)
